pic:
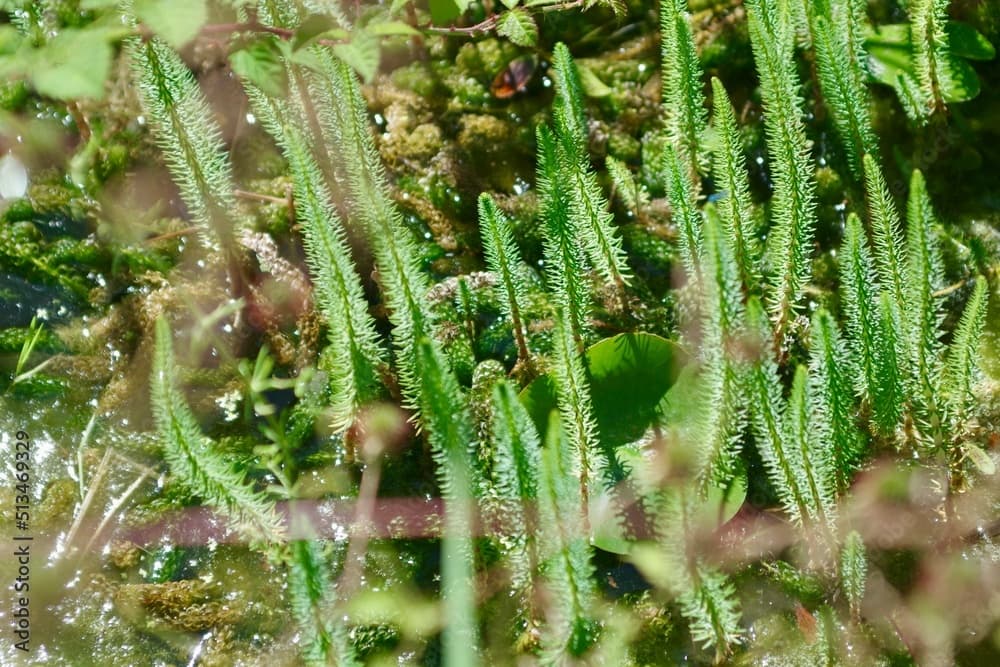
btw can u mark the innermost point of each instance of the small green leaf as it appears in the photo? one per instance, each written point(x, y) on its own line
point(397, 6)
point(959, 82)
point(510, 4)
point(965, 41)
point(519, 27)
point(361, 53)
point(983, 461)
point(592, 86)
point(312, 27)
point(98, 4)
point(388, 28)
point(176, 21)
point(74, 64)
point(260, 64)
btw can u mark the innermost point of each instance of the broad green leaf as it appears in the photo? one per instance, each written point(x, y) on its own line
point(959, 81)
point(890, 52)
point(312, 27)
point(722, 503)
point(592, 85)
point(965, 41)
point(176, 21)
point(260, 64)
point(74, 64)
point(629, 375)
point(518, 26)
point(387, 28)
point(444, 11)
point(361, 53)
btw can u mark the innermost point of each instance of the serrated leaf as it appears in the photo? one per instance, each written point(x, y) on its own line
point(592, 85)
point(260, 63)
point(519, 27)
point(176, 21)
point(74, 64)
point(312, 27)
point(361, 53)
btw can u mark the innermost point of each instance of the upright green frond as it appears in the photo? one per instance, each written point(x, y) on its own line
point(853, 571)
point(192, 458)
point(832, 397)
point(923, 315)
point(733, 182)
point(814, 455)
point(725, 411)
point(449, 430)
point(570, 629)
point(782, 459)
point(575, 408)
point(343, 115)
point(683, 99)
point(794, 201)
point(357, 356)
point(516, 473)
point(565, 265)
point(324, 641)
point(685, 214)
point(929, 37)
point(504, 260)
point(567, 108)
point(190, 140)
point(588, 207)
point(870, 330)
point(962, 364)
point(712, 610)
point(924, 270)
point(886, 233)
point(845, 93)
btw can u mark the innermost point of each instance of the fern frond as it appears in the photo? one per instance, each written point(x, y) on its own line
point(324, 641)
point(845, 93)
point(570, 628)
point(853, 571)
point(928, 19)
point(191, 142)
point(588, 207)
point(685, 214)
point(962, 364)
point(357, 355)
point(450, 433)
point(924, 276)
point(575, 407)
point(886, 232)
point(782, 459)
point(732, 180)
point(712, 610)
point(504, 260)
point(725, 412)
point(813, 454)
point(794, 201)
point(565, 265)
point(870, 330)
point(683, 99)
point(832, 397)
point(192, 459)
point(343, 116)
point(516, 473)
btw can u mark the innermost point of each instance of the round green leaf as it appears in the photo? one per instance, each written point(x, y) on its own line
point(74, 64)
point(176, 21)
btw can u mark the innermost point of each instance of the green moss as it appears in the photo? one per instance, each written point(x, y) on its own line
point(418, 78)
point(58, 502)
point(14, 95)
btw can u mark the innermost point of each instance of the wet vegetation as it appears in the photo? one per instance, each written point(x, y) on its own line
point(456, 332)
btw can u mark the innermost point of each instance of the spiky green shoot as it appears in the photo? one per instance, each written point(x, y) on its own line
point(192, 458)
point(504, 260)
